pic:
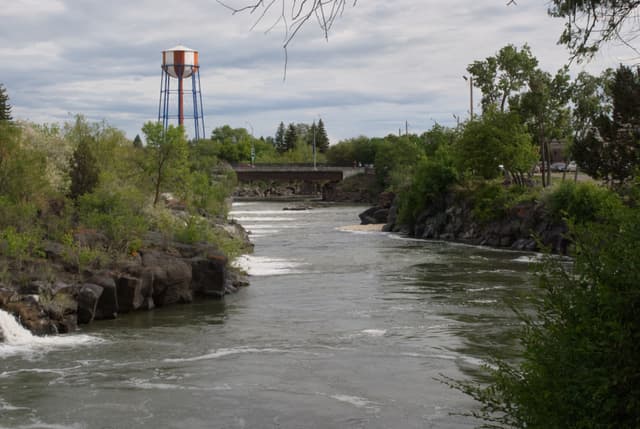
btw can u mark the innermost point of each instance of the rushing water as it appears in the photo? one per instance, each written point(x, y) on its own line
point(338, 329)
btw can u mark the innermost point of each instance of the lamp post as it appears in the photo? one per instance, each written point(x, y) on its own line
point(253, 149)
point(470, 79)
point(315, 128)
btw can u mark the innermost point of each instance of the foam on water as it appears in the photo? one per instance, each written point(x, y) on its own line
point(18, 340)
point(356, 401)
point(216, 354)
point(264, 219)
point(265, 266)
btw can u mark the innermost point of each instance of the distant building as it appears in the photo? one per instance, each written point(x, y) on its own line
point(558, 151)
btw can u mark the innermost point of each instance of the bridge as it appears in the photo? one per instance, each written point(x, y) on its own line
point(290, 181)
point(291, 173)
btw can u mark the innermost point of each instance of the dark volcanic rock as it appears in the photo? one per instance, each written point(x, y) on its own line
point(171, 278)
point(107, 307)
point(87, 297)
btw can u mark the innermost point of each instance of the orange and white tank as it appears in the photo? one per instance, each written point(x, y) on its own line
point(180, 61)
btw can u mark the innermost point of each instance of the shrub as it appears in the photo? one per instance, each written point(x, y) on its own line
point(116, 213)
point(429, 185)
point(579, 367)
point(492, 200)
point(581, 202)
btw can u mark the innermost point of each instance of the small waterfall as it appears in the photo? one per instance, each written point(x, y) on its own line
point(11, 332)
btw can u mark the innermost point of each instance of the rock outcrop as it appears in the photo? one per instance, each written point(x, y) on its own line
point(55, 296)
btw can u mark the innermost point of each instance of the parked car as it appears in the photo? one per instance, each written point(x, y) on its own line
point(558, 166)
point(572, 166)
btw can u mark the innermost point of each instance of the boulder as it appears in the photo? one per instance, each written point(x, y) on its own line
point(32, 315)
point(171, 278)
point(210, 275)
point(107, 307)
point(130, 293)
point(87, 297)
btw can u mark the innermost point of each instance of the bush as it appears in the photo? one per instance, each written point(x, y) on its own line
point(429, 185)
point(115, 213)
point(581, 202)
point(492, 200)
point(579, 366)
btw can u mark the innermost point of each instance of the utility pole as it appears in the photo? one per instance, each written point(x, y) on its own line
point(406, 128)
point(470, 79)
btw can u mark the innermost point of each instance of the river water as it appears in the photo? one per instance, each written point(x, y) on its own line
point(339, 329)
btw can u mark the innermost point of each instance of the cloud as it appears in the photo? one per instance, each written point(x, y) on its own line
point(384, 63)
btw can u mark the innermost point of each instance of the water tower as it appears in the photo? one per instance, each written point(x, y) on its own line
point(181, 63)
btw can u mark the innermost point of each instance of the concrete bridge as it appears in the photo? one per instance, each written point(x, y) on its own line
point(291, 173)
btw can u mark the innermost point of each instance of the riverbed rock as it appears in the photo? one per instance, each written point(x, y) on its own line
point(87, 297)
point(107, 307)
point(171, 278)
point(209, 274)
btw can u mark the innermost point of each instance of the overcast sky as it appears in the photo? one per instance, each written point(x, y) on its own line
point(386, 62)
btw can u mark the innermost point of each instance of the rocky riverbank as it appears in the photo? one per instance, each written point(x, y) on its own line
point(55, 294)
point(525, 226)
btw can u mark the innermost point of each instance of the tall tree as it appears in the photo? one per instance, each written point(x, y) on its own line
point(502, 75)
point(545, 110)
point(84, 170)
point(279, 138)
point(322, 140)
point(137, 141)
point(590, 23)
point(610, 149)
point(290, 137)
point(5, 107)
point(167, 154)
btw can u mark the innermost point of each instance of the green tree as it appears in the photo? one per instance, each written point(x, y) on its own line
point(545, 110)
point(5, 107)
point(609, 150)
point(322, 140)
point(290, 138)
point(279, 138)
point(589, 24)
point(497, 141)
point(502, 75)
point(166, 157)
point(83, 170)
point(579, 366)
point(137, 141)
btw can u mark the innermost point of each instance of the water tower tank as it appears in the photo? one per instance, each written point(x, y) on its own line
point(180, 61)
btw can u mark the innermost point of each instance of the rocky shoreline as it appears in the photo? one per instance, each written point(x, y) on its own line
point(524, 227)
point(54, 295)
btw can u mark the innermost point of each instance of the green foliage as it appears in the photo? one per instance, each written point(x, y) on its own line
point(20, 245)
point(395, 159)
point(290, 138)
point(579, 367)
point(21, 167)
point(581, 202)
point(502, 75)
point(497, 139)
point(609, 149)
point(5, 107)
point(137, 142)
point(279, 138)
point(166, 158)
point(82, 257)
point(84, 170)
point(492, 200)
point(117, 213)
point(430, 182)
point(589, 24)
point(194, 229)
point(321, 138)
point(355, 150)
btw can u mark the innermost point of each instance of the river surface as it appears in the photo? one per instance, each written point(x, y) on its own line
point(339, 329)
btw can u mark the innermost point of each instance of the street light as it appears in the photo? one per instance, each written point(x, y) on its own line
point(470, 79)
point(253, 149)
point(314, 144)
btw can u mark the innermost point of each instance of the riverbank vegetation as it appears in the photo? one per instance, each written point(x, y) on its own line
point(64, 183)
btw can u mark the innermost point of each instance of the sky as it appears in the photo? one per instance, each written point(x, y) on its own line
point(385, 65)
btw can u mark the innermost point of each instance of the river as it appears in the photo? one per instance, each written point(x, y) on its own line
point(339, 329)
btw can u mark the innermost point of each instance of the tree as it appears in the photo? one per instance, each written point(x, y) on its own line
point(279, 138)
point(579, 366)
point(166, 158)
point(498, 140)
point(5, 107)
point(500, 76)
point(610, 150)
point(290, 138)
point(137, 141)
point(591, 23)
point(322, 140)
point(544, 108)
point(84, 170)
